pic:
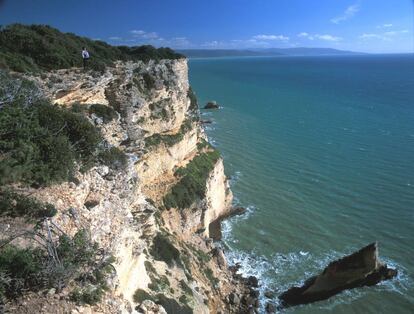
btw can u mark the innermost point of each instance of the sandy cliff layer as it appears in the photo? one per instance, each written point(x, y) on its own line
point(158, 128)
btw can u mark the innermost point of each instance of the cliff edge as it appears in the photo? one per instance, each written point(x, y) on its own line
point(148, 215)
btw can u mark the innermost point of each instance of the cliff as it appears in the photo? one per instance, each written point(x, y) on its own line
point(153, 214)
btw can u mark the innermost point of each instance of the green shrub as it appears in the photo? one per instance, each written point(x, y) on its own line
point(172, 306)
point(87, 295)
point(192, 183)
point(159, 283)
point(41, 143)
point(149, 81)
point(17, 205)
point(210, 276)
point(170, 139)
point(70, 259)
point(159, 109)
point(185, 288)
point(162, 249)
point(41, 47)
point(106, 113)
point(141, 295)
point(23, 269)
point(114, 158)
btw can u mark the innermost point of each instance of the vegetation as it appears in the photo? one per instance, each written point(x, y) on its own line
point(210, 276)
point(168, 139)
point(158, 109)
point(55, 264)
point(141, 295)
point(41, 143)
point(192, 184)
point(113, 157)
point(159, 283)
point(172, 306)
point(163, 250)
point(41, 47)
point(16, 205)
point(106, 113)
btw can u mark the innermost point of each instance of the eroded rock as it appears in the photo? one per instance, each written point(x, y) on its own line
point(362, 268)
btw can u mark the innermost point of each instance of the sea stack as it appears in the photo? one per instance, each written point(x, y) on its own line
point(212, 105)
point(362, 268)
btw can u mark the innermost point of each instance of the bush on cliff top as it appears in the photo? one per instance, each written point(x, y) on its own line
point(41, 47)
point(41, 143)
point(192, 183)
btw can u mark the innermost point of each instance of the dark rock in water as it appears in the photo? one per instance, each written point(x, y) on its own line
point(211, 105)
point(252, 281)
point(362, 268)
point(254, 293)
point(269, 294)
point(206, 121)
point(270, 308)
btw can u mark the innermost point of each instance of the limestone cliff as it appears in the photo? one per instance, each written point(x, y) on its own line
point(154, 215)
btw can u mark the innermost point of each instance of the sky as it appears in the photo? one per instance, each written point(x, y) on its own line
point(376, 26)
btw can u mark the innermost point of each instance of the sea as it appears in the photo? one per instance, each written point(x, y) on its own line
point(320, 150)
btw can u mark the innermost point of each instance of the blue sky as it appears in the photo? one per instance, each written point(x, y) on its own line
point(359, 25)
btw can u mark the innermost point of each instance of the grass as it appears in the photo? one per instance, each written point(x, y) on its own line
point(192, 181)
point(32, 48)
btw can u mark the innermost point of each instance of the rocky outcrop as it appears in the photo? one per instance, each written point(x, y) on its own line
point(212, 105)
point(362, 268)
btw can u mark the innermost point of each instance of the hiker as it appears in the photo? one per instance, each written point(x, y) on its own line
point(85, 57)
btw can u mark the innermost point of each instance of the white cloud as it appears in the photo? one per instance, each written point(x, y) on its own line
point(144, 34)
point(271, 37)
point(306, 35)
point(369, 36)
point(349, 13)
point(115, 38)
point(387, 36)
point(137, 32)
point(385, 25)
point(328, 37)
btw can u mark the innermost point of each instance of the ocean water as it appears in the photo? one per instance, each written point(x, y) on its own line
point(321, 152)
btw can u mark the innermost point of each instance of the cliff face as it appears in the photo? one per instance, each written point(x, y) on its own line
point(154, 215)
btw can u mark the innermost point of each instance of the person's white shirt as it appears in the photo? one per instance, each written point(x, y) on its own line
point(85, 54)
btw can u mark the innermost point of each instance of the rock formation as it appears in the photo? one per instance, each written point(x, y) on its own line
point(154, 215)
point(212, 105)
point(362, 268)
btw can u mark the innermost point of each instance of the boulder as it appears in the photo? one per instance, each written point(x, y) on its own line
point(211, 105)
point(362, 268)
point(252, 281)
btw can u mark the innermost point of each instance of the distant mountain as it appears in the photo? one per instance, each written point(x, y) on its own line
point(300, 51)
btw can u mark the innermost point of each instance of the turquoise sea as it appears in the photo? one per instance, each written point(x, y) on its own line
point(321, 152)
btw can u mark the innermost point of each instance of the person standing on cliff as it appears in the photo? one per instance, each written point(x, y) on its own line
point(85, 57)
